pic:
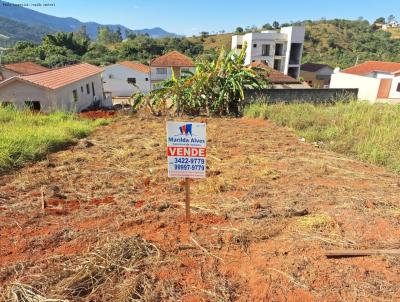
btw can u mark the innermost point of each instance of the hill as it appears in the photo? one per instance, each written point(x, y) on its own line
point(12, 31)
point(35, 19)
point(334, 42)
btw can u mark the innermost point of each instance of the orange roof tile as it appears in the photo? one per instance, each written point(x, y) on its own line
point(172, 59)
point(136, 65)
point(371, 66)
point(59, 77)
point(275, 76)
point(25, 67)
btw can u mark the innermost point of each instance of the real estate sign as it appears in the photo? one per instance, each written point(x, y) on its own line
point(186, 149)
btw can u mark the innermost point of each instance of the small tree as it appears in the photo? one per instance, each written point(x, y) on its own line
point(275, 24)
point(239, 30)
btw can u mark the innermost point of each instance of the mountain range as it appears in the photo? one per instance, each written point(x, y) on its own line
point(18, 23)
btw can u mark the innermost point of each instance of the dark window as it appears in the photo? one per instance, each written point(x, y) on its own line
point(87, 89)
point(82, 89)
point(398, 87)
point(239, 46)
point(74, 95)
point(265, 50)
point(131, 81)
point(147, 79)
point(279, 49)
point(32, 105)
point(254, 45)
point(94, 94)
point(277, 64)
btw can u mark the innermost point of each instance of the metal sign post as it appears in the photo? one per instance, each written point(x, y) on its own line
point(186, 151)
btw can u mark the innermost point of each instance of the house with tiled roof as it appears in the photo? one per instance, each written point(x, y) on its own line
point(375, 80)
point(173, 62)
point(71, 88)
point(125, 78)
point(10, 70)
point(316, 75)
point(275, 77)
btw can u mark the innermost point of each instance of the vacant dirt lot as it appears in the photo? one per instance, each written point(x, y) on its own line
point(262, 220)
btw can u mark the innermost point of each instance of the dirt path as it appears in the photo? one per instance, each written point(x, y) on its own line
point(257, 244)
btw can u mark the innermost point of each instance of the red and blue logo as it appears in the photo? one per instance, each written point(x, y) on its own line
point(186, 129)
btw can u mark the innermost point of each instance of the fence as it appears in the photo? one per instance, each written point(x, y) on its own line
point(300, 95)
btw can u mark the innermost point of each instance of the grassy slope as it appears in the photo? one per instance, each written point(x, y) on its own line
point(25, 136)
point(369, 132)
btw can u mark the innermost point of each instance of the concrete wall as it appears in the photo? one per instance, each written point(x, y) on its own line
point(115, 80)
point(310, 95)
point(367, 87)
point(64, 98)
point(18, 92)
point(394, 94)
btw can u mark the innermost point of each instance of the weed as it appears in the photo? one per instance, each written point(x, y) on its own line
point(367, 131)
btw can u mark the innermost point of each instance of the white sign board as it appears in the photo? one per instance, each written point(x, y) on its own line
point(186, 149)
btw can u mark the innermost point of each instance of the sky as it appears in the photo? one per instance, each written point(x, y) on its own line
point(188, 17)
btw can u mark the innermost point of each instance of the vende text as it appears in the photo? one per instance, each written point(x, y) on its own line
point(186, 151)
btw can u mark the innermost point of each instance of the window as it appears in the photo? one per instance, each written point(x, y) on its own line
point(75, 95)
point(398, 87)
point(82, 89)
point(94, 94)
point(87, 89)
point(161, 71)
point(265, 49)
point(131, 81)
point(240, 46)
point(32, 105)
point(279, 49)
point(254, 45)
point(147, 79)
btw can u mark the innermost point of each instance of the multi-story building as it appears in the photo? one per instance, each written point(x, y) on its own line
point(173, 62)
point(281, 50)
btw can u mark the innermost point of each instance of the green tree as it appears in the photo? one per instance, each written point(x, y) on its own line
point(267, 26)
point(380, 20)
point(239, 30)
point(217, 87)
point(275, 24)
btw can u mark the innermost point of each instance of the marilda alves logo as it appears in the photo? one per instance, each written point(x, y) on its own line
point(186, 129)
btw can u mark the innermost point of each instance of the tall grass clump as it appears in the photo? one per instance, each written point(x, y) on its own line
point(367, 131)
point(26, 136)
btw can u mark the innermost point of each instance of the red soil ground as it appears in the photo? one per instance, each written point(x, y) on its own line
point(246, 241)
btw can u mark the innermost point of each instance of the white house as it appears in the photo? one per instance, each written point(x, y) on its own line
point(376, 81)
point(174, 62)
point(125, 78)
point(71, 88)
point(9, 70)
point(281, 50)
